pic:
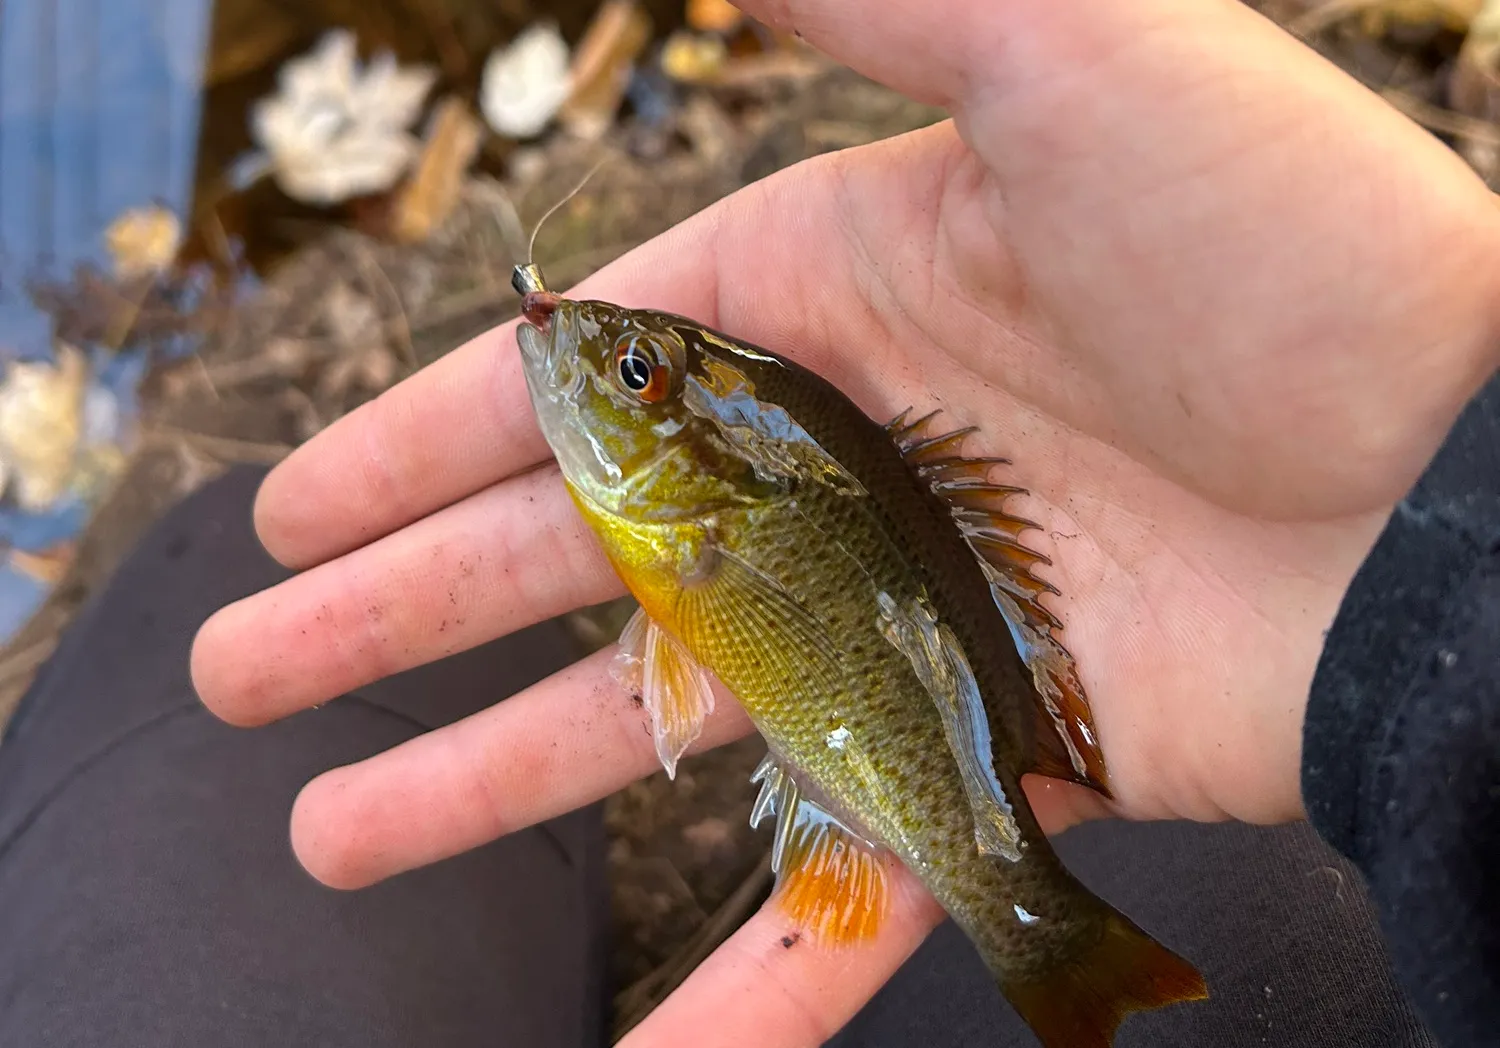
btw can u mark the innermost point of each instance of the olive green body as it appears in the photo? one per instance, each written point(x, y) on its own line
point(835, 554)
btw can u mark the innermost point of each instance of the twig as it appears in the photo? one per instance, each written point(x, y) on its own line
point(494, 196)
point(640, 999)
point(380, 282)
point(225, 449)
point(1443, 121)
point(1325, 15)
point(19, 664)
point(311, 417)
point(206, 375)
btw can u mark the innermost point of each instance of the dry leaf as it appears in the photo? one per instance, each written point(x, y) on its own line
point(1474, 87)
point(526, 82)
point(432, 192)
point(711, 132)
point(335, 130)
point(46, 566)
point(98, 467)
point(1474, 91)
point(714, 16)
point(373, 370)
point(143, 241)
point(602, 65)
point(1450, 14)
point(752, 72)
point(351, 317)
point(708, 837)
point(693, 58)
point(41, 422)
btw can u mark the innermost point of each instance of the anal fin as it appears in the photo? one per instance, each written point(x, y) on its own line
point(1065, 743)
point(674, 688)
point(829, 879)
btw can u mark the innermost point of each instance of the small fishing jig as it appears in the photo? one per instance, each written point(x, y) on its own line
point(538, 301)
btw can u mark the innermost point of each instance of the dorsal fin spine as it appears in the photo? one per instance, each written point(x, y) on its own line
point(1066, 744)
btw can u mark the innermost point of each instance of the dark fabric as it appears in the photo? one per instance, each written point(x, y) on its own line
point(1401, 754)
point(148, 894)
point(1276, 921)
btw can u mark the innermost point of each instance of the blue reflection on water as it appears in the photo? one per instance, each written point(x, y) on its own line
point(99, 112)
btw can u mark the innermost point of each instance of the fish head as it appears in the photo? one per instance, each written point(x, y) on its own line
point(618, 394)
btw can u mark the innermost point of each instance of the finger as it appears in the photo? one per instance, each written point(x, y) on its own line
point(498, 561)
point(770, 986)
point(565, 742)
point(899, 42)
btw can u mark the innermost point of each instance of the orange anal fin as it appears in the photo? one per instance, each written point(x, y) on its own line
point(830, 880)
point(832, 885)
point(1081, 1002)
point(1065, 744)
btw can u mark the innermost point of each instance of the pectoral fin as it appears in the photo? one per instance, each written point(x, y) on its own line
point(1065, 745)
point(675, 690)
point(736, 607)
point(829, 878)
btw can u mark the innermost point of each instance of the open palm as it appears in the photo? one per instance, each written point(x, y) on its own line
point(1217, 303)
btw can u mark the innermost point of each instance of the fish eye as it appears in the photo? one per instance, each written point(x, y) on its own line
point(644, 367)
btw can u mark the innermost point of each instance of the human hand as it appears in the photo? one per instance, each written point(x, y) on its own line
point(1217, 302)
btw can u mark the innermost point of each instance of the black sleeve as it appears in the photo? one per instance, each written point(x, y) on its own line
point(1401, 746)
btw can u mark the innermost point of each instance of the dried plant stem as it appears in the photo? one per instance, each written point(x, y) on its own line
point(1444, 121)
point(640, 999)
point(1325, 15)
point(225, 449)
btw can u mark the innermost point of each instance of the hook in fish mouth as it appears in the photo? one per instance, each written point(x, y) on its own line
point(538, 301)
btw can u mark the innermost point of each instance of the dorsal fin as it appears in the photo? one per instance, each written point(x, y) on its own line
point(1066, 745)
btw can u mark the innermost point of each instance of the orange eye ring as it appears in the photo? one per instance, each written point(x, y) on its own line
point(642, 370)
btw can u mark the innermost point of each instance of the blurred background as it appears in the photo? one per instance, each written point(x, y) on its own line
point(224, 223)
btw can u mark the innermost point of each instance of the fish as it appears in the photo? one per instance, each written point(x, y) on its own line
point(862, 590)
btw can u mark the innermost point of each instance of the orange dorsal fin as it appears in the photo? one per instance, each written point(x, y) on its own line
point(1081, 1002)
point(830, 880)
point(1065, 743)
point(673, 687)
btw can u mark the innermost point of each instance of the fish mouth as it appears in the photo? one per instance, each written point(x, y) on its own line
point(556, 382)
point(535, 348)
point(549, 356)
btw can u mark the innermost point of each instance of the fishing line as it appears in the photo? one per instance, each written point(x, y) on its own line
point(531, 244)
point(527, 277)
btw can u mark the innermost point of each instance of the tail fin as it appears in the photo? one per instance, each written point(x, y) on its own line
point(1081, 1003)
